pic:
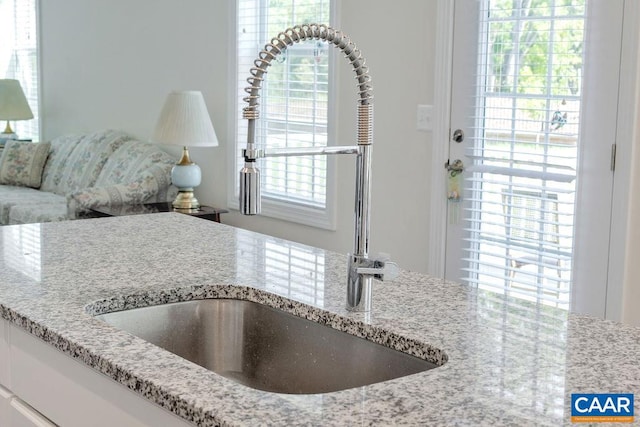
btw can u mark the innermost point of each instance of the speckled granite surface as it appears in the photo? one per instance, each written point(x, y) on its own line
point(504, 362)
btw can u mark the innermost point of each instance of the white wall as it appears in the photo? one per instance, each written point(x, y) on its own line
point(397, 40)
point(109, 64)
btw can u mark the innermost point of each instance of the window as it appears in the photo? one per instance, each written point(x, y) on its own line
point(19, 57)
point(524, 153)
point(294, 110)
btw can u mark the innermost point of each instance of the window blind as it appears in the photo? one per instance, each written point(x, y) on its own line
point(294, 99)
point(520, 183)
point(19, 57)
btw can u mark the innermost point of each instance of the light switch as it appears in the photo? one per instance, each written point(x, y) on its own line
point(424, 118)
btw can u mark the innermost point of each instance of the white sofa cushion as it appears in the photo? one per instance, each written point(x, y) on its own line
point(11, 196)
point(144, 189)
point(32, 213)
point(130, 160)
point(22, 163)
point(72, 169)
point(61, 148)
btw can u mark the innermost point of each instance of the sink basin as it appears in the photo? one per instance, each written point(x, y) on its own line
point(265, 348)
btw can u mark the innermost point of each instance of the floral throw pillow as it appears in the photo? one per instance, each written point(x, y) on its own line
point(22, 163)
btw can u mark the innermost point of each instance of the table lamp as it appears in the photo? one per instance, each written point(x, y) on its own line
point(13, 106)
point(184, 120)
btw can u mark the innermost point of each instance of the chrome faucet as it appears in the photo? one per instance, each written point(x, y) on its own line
point(361, 268)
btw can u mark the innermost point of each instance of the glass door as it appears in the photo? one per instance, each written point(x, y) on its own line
point(523, 72)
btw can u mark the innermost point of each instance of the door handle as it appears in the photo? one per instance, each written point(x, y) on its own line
point(457, 166)
point(458, 135)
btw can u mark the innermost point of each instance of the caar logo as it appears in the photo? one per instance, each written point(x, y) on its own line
point(594, 408)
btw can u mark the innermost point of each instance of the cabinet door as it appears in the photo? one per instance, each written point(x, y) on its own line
point(22, 415)
point(5, 406)
point(4, 354)
point(74, 395)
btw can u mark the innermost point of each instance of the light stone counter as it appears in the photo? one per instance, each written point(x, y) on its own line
point(504, 362)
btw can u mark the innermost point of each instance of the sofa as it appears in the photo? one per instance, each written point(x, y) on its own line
point(67, 177)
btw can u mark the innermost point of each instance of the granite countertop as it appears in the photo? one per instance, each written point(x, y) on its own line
point(504, 361)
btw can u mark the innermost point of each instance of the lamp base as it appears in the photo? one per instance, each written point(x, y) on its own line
point(186, 176)
point(186, 201)
point(5, 137)
point(8, 134)
point(7, 129)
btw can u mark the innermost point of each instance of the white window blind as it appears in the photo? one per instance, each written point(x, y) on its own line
point(520, 184)
point(294, 106)
point(19, 57)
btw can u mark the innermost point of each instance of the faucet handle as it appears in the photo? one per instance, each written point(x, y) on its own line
point(381, 268)
point(390, 270)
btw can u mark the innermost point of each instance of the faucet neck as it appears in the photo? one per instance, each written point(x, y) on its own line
point(296, 34)
point(359, 284)
point(362, 213)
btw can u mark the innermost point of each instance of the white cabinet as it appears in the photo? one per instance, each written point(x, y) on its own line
point(13, 411)
point(42, 387)
point(5, 393)
point(4, 353)
point(71, 394)
point(5, 406)
point(22, 415)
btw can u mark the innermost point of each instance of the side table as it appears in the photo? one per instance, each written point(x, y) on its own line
point(205, 212)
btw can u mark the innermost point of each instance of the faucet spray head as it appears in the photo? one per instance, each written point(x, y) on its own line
point(250, 199)
point(250, 189)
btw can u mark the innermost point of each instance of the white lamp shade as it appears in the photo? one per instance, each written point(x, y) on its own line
point(184, 120)
point(13, 103)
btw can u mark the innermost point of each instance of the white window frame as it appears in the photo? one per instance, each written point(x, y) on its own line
point(283, 208)
point(31, 129)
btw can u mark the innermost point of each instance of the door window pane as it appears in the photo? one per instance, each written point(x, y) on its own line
point(521, 182)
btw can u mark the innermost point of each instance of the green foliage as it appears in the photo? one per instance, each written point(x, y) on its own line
point(301, 72)
point(535, 48)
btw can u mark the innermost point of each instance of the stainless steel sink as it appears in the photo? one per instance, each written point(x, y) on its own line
point(265, 348)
